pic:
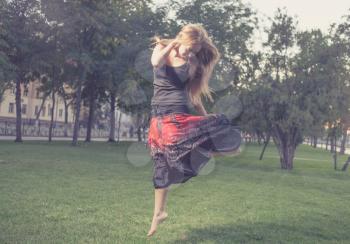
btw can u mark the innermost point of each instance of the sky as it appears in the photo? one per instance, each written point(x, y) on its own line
point(310, 13)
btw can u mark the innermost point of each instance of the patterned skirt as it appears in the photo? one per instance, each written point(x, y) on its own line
point(181, 143)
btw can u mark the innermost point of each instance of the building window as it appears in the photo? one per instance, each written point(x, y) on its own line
point(36, 110)
point(25, 92)
point(24, 108)
point(43, 111)
point(49, 110)
point(60, 113)
point(11, 108)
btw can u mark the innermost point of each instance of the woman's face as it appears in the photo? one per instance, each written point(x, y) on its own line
point(185, 50)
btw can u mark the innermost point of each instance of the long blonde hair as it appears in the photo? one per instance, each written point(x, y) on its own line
point(207, 57)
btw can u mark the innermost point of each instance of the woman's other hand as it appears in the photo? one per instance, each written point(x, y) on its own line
point(160, 52)
point(174, 43)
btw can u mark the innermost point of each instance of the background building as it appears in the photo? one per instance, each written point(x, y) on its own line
point(31, 100)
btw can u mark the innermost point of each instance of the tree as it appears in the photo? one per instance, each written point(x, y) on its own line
point(85, 24)
point(6, 68)
point(94, 94)
point(125, 75)
point(23, 24)
point(52, 66)
point(341, 40)
point(230, 24)
point(302, 85)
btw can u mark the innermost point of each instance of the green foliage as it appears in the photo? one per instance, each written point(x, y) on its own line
point(230, 24)
point(22, 35)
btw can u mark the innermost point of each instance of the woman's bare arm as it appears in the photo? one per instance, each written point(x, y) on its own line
point(160, 53)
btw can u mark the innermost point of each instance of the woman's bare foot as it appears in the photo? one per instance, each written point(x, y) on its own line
point(157, 219)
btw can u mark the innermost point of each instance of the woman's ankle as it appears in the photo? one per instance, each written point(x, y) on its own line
point(159, 213)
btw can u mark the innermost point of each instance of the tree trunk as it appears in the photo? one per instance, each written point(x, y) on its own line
point(66, 106)
point(143, 132)
point(91, 116)
point(119, 122)
point(265, 145)
point(112, 121)
point(39, 126)
point(139, 138)
point(259, 137)
point(345, 167)
point(327, 142)
point(315, 142)
point(37, 116)
point(77, 110)
point(343, 142)
point(334, 140)
point(138, 126)
point(52, 110)
point(287, 156)
point(18, 112)
point(285, 142)
point(332, 144)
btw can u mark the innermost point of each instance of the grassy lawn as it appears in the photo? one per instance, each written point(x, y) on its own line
point(103, 193)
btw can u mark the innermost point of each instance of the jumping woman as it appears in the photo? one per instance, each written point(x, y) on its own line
point(180, 142)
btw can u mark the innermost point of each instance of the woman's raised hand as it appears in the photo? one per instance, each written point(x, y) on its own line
point(160, 52)
point(174, 43)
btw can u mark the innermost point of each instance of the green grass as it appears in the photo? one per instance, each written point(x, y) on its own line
point(103, 193)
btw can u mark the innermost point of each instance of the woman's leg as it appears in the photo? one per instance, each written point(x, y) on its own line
point(160, 198)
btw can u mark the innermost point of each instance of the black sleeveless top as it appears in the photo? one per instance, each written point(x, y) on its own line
point(169, 85)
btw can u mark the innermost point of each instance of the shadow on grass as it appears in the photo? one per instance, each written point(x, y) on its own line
point(260, 233)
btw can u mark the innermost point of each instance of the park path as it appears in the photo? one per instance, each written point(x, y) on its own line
point(42, 138)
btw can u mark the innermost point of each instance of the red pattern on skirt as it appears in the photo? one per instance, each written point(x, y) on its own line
point(181, 144)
